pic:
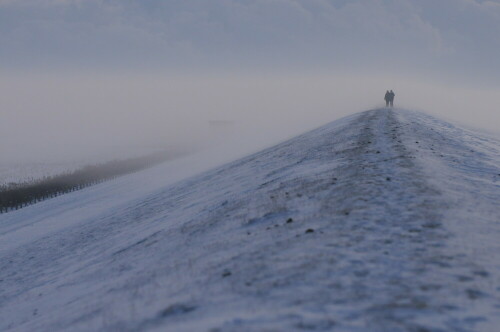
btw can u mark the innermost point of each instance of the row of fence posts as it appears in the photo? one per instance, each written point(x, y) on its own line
point(7, 205)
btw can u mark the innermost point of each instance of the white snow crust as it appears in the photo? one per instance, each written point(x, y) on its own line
point(386, 220)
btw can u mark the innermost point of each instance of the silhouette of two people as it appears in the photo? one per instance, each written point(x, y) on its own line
point(389, 98)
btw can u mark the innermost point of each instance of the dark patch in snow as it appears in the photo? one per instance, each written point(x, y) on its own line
point(176, 309)
point(474, 294)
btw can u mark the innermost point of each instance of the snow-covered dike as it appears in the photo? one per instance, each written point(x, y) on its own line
point(387, 220)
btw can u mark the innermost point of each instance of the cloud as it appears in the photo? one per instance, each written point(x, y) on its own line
point(447, 35)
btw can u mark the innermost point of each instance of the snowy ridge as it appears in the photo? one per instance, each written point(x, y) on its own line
point(386, 220)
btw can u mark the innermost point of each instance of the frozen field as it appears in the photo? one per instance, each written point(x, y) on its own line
point(386, 220)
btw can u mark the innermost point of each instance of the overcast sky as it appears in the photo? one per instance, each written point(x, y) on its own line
point(81, 74)
point(441, 37)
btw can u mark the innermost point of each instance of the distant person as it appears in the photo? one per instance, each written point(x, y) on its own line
point(391, 98)
point(387, 98)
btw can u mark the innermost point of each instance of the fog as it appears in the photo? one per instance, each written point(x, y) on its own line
point(94, 79)
point(61, 116)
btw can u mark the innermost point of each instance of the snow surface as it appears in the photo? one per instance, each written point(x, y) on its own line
point(403, 235)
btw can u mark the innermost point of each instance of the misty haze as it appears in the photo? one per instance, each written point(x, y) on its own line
point(234, 165)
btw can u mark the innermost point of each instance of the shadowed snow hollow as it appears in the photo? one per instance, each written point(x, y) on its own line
point(383, 221)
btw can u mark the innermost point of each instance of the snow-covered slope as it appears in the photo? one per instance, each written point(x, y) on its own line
point(383, 221)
